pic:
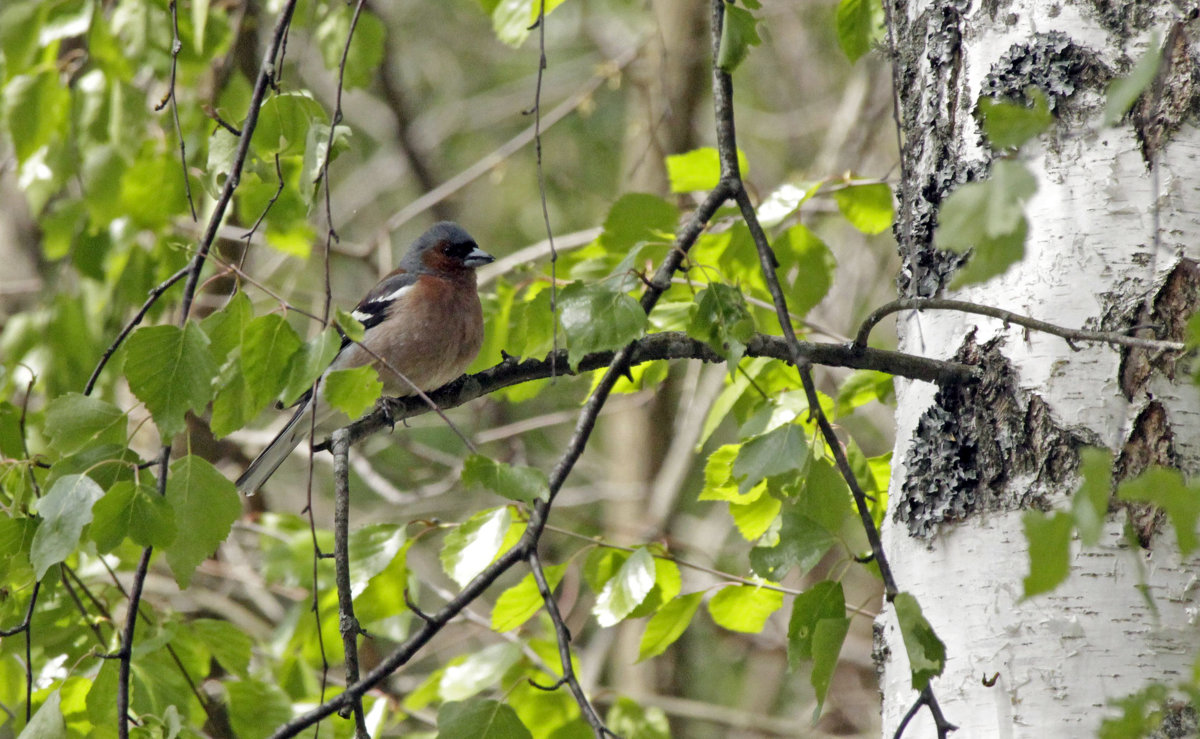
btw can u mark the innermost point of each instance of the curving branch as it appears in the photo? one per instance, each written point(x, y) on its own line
point(963, 306)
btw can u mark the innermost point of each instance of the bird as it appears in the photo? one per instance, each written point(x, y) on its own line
point(423, 320)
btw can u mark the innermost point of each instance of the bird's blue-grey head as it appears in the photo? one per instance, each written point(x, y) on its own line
point(445, 247)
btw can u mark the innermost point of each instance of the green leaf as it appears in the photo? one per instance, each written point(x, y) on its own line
point(225, 327)
point(170, 369)
point(722, 320)
point(478, 671)
point(208, 504)
point(256, 708)
point(1164, 487)
point(365, 52)
point(471, 547)
point(754, 518)
point(372, 550)
point(782, 450)
point(627, 588)
point(856, 24)
point(862, 387)
point(515, 482)
point(823, 601)
point(74, 421)
point(1049, 537)
point(802, 543)
point(480, 719)
point(801, 248)
point(64, 511)
point(926, 653)
point(699, 169)
point(283, 124)
point(132, 510)
point(636, 218)
point(307, 364)
point(598, 319)
point(519, 603)
point(1009, 125)
point(34, 109)
point(989, 217)
point(738, 34)
point(349, 325)
point(267, 348)
point(630, 720)
point(48, 722)
point(828, 637)
point(668, 624)
point(718, 477)
point(1090, 504)
point(228, 644)
point(667, 584)
point(744, 608)
point(1123, 91)
point(352, 391)
point(867, 207)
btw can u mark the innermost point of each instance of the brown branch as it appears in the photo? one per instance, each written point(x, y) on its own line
point(963, 306)
point(927, 698)
point(563, 635)
point(340, 447)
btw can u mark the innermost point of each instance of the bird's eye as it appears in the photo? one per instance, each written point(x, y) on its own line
point(458, 250)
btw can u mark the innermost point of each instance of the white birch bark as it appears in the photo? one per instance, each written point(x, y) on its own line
point(1060, 658)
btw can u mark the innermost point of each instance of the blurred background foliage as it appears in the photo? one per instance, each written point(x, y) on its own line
point(95, 213)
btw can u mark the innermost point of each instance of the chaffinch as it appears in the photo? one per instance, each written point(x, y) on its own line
point(423, 320)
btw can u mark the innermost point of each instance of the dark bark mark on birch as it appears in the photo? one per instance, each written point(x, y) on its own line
point(1151, 442)
point(1168, 311)
point(976, 440)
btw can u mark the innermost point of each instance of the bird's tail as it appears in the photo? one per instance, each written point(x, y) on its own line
point(278, 450)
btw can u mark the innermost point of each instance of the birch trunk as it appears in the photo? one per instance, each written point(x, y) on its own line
point(1114, 229)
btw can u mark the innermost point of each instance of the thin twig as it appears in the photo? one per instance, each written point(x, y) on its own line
point(563, 636)
point(176, 47)
point(347, 622)
point(963, 306)
point(926, 698)
point(541, 174)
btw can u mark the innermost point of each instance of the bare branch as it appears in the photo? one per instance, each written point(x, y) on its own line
point(347, 622)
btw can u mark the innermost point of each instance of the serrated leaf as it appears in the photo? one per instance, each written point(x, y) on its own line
point(372, 550)
point(471, 547)
point(635, 218)
point(1123, 91)
point(283, 124)
point(208, 503)
point(515, 482)
point(993, 256)
point(802, 543)
point(744, 608)
point(722, 320)
point(800, 248)
point(699, 169)
point(132, 510)
point(350, 326)
point(1090, 504)
point(479, 670)
point(307, 364)
point(783, 449)
point(1165, 488)
point(856, 26)
point(598, 319)
point(828, 637)
point(267, 348)
point(862, 387)
point(626, 589)
point(738, 34)
point(65, 509)
point(825, 496)
point(229, 644)
point(225, 327)
point(519, 603)
point(988, 217)
point(171, 370)
point(666, 626)
point(868, 207)
point(926, 652)
point(480, 719)
point(352, 391)
point(753, 518)
point(74, 421)
point(48, 722)
point(667, 584)
point(1010, 125)
point(824, 600)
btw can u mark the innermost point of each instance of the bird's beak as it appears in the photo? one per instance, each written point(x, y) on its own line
point(477, 258)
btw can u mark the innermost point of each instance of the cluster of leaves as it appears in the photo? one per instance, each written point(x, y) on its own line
point(105, 183)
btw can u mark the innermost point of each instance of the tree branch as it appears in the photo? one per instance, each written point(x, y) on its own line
point(340, 447)
point(1069, 334)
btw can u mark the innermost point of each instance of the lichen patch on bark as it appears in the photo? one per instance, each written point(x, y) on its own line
point(976, 440)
